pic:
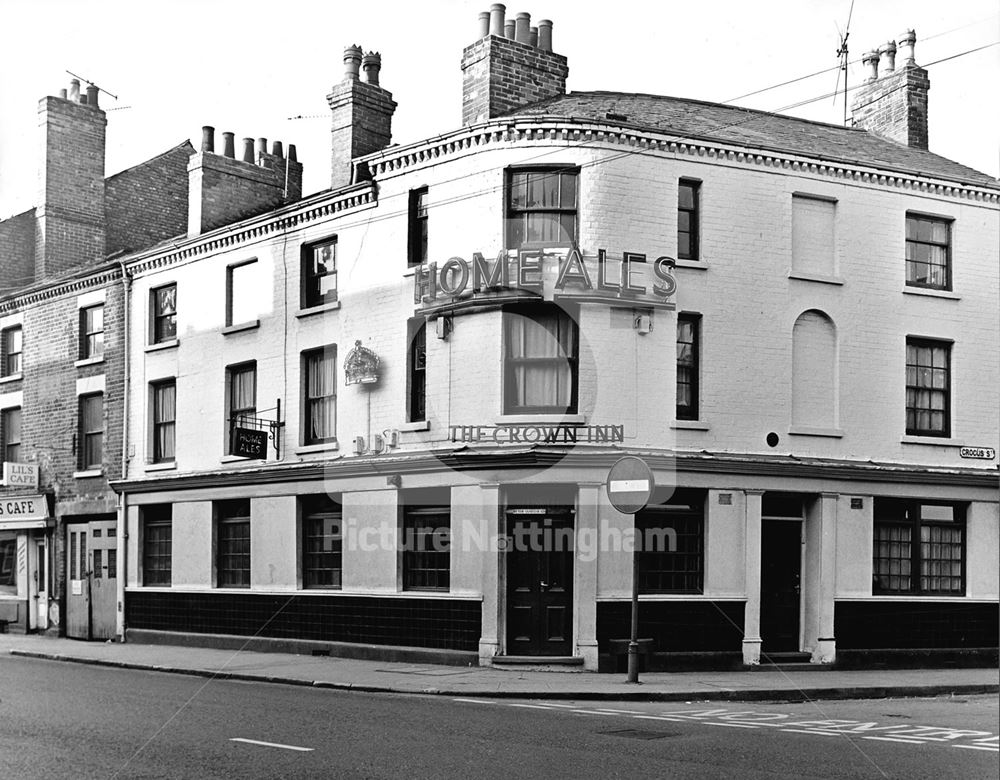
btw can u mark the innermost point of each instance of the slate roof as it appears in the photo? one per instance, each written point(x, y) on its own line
point(696, 119)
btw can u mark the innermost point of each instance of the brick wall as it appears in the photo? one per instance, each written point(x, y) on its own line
point(895, 106)
point(148, 203)
point(17, 251)
point(70, 211)
point(500, 75)
point(361, 123)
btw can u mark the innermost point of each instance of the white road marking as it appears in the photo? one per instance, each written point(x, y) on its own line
point(979, 747)
point(590, 712)
point(272, 744)
point(531, 706)
point(476, 701)
point(821, 733)
point(730, 725)
point(897, 739)
point(657, 717)
point(617, 712)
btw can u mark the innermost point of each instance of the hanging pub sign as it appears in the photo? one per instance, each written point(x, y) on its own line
point(553, 273)
point(23, 475)
point(250, 443)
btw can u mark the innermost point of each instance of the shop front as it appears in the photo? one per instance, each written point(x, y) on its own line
point(27, 600)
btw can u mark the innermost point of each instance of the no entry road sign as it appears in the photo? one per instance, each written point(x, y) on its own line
point(630, 485)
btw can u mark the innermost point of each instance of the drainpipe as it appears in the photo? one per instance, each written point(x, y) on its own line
point(122, 514)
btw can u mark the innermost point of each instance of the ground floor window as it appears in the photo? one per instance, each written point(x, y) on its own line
point(426, 540)
point(670, 544)
point(233, 543)
point(8, 562)
point(322, 542)
point(157, 545)
point(919, 547)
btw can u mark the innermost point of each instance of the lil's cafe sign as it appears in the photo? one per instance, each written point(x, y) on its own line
point(553, 273)
point(24, 475)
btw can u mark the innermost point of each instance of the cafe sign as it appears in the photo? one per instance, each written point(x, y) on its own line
point(23, 475)
point(554, 273)
point(23, 508)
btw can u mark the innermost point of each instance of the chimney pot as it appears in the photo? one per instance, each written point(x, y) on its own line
point(497, 12)
point(228, 146)
point(352, 62)
point(522, 28)
point(62, 93)
point(261, 145)
point(92, 91)
point(372, 64)
point(887, 52)
point(906, 45)
point(277, 149)
point(484, 25)
point(870, 61)
point(83, 100)
point(208, 138)
point(545, 35)
point(292, 155)
point(509, 28)
point(533, 37)
point(248, 150)
point(74, 90)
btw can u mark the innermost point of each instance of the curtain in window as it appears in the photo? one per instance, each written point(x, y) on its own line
point(244, 391)
point(164, 415)
point(92, 423)
point(321, 392)
point(11, 424)
point(542, 373)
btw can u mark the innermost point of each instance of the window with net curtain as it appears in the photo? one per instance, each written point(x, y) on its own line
point(928, 252)
point(540, 370)
point(91, 437)
point(164, 415)
point(242, 396)
point(320, 395)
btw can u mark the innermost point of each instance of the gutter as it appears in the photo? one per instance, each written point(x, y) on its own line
point(122, 506)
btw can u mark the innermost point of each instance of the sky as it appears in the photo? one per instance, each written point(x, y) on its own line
point(264, 69)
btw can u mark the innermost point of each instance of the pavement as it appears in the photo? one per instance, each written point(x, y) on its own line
point(490, 682)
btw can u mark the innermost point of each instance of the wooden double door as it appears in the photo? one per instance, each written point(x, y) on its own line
point(539, 572)
point(92, 577)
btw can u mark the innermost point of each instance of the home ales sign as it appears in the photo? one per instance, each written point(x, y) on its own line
point(563, 273)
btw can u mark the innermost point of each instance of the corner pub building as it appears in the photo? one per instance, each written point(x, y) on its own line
point(353, 415)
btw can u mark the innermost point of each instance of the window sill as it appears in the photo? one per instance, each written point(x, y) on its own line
point(803, 276)
point(697, 265)
point(422, 425)
point(308, 449)
point(323, 307)
point(11, 378)
point(240, 459)
point(541, 418)
point(930, 292)
point(162, 345)
point(690, 425)
point(829, 433)
point(251, 325)
point(168, 466)
point(91, 361)
point(88, 474)
point(932, 441)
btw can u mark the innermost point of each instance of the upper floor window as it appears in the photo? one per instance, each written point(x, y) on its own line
point(320, 395)
point(540, 366)
point(918, 548)
point(11, 347)
point(541, 207)
point(91, 437)
point(417, 229)
point(164, 308)
point(92, 331)
point(241, 400)
point(164, 420)
point(243, 291)
point(322, 542)
point(157, 544)
point(688, 218)
point(688, 367)
point(416, 406)
point(10, 434)
point(319, 273)
point(928, 252)
point(928, 387)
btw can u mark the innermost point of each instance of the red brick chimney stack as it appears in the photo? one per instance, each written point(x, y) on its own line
point(893, 100)
point(70, 225)
point(511, 66)
point(361, 115)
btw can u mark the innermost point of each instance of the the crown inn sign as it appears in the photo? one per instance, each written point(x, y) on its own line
point(553, 273)
point(537, 434)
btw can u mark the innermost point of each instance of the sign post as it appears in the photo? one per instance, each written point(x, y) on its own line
point(630, 485)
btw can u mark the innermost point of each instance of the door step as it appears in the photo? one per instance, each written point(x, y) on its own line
point(790, 662)
point(542, 663)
